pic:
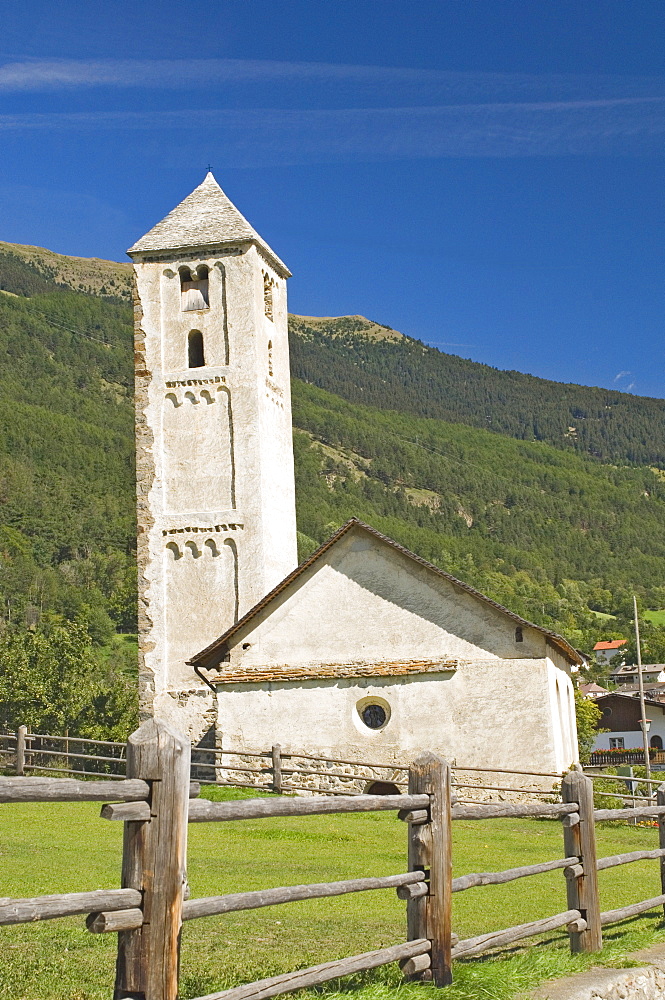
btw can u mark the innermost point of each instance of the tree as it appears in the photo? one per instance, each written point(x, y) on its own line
point(588, 716)
point(50, 682)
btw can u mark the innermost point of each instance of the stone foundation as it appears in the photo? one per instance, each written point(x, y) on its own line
point(358, 778)
point(646, 982)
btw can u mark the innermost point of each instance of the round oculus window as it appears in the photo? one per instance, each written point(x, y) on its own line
point(373, 715)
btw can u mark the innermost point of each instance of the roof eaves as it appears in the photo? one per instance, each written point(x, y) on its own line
point(631, 698)
point(165, 252)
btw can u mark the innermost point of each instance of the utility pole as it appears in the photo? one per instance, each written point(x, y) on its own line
point(640, 679)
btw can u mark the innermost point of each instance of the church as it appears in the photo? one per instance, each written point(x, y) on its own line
point(365, 649)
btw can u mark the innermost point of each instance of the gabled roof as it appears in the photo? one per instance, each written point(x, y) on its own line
point(612, 644)
point(632, 668)
point(205, 218)
point(209, 656)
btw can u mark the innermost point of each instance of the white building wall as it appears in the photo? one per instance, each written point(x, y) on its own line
point(562, 709)
point(633, 738)
point(486, 713)
point(364, 603)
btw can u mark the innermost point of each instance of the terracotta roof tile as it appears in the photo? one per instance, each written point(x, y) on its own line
point(285, 672)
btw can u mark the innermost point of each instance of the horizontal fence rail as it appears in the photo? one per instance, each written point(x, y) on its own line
point(204, 810)
point(628, 858)
point(322, 973)
point(518, 810)
point(463, 882)
point(623, 912)
point(24, 911)
point(272, 769)
point(70, 790)
point(211, 905)
point(157, 800)
point(496, 939)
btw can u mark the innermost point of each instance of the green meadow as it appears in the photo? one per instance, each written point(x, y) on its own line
point(655, 617)
point(65, 847)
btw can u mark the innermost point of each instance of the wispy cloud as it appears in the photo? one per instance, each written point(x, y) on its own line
point(441, 114)
point(620, 376)
point(253, 136)
point(448, 343)
point(431, 86)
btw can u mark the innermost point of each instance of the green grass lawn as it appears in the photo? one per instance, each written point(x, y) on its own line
point(657, 617)
point(65, 848)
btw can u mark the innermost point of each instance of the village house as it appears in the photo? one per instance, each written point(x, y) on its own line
point(593, 691)
point(626, 676)
point(364, 650)
point(605, 651)
point(621, 717)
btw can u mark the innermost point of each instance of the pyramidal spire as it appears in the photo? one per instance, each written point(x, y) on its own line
point(206, 218)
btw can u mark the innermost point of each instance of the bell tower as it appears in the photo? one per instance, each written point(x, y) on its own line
point(215, 485)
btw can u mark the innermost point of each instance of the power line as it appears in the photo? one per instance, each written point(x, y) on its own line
point(75, 333)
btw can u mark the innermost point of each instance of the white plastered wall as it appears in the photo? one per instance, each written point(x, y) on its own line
point(212, 505)
point(507, 703)
point(364, 600)
point(487, 713)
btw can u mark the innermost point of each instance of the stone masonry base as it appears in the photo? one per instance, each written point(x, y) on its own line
point(645, 982)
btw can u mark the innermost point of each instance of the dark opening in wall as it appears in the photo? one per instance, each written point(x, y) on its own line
point(267, 295)
point(382, 788)
point(195, 355)
point(194, 288)
point(519, 636)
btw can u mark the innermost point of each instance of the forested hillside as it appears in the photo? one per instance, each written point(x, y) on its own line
point(553, 535)
point(345, 356)
point(543, 526)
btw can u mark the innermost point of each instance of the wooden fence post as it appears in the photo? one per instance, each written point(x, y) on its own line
point(660, 800)
point(154, 862)
point(430, 849)
point(579, 840)
point(20, 749)
point(277, 769)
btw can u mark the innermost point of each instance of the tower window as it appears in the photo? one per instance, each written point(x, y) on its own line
point(195, 355)
point(194, 289)
point(267, 295)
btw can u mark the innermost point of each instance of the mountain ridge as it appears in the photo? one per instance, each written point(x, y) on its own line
point(368, 362)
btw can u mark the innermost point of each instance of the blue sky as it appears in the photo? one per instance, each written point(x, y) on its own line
point(486, 175)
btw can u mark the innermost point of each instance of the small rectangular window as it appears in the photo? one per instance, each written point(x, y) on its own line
point(617, 743)
point(267, 294)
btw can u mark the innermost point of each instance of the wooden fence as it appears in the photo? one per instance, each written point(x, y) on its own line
point(630, 756)
point(157, 800)
point(274, 769)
